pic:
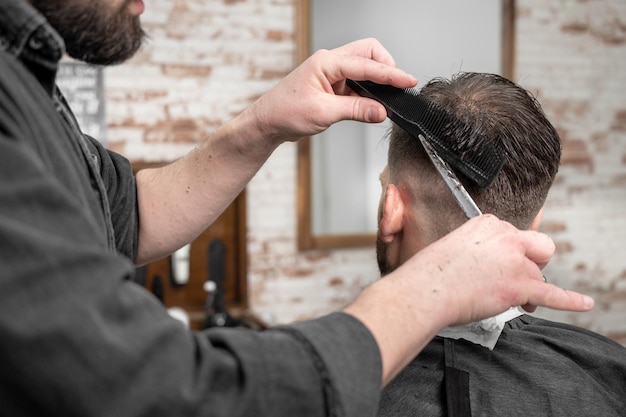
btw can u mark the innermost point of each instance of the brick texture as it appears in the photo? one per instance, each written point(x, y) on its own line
point(572, 55)
point(208, 59)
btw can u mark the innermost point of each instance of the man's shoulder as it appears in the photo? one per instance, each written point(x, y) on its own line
point(527, 326)
point(545, 366)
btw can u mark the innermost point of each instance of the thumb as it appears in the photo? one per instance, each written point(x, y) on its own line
point(360, 109)
point(539, 247)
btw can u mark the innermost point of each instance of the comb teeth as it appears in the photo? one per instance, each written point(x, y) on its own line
point(476, 157)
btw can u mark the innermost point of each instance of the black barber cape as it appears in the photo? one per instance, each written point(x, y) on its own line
point(537, 368)
point(77, 337)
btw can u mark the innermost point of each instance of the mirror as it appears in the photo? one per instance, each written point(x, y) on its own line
point(338, 187)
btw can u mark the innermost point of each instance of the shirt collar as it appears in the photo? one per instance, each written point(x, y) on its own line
point(484, 332)
point(26, 34)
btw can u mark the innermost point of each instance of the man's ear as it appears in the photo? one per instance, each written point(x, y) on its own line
point(392, 219)
point(534, 225)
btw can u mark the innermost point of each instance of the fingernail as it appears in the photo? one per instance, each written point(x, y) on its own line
point(588, 302)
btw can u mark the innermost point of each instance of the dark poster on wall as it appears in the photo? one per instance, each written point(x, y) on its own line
point(83, 88)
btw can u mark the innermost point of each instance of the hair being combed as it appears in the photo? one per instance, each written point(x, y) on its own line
point(504, 113)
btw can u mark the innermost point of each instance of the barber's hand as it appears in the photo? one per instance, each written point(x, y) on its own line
point(487, 266)
point(314, 95)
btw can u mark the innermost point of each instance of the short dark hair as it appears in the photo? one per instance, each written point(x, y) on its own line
point(505, 113)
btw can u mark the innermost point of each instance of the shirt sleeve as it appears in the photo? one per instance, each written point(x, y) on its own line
point(119, 181)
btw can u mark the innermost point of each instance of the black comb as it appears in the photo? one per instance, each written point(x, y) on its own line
point(417, 115)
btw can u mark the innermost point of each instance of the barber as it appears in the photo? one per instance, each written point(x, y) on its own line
point(78, 338)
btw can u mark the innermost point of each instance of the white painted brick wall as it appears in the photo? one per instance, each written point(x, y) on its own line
point(573, 55)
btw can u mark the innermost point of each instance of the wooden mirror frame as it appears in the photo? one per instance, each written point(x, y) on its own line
point(306, 238)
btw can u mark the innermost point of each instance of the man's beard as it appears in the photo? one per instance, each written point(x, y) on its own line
point(381, 256)
point(93, 31)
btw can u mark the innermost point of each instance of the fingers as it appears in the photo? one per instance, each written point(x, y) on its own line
point(355, 67)
point(367, 48)
point(539, 248)
point(322, 81)
point(315, 96)
point(365, 59)
point(535, 291)
point(548, 295)
point(500, 267)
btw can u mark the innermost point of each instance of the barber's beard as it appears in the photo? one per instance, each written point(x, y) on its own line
point(93, 30)
point(381, 256)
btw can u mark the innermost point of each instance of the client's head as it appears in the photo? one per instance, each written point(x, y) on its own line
point(416, 207)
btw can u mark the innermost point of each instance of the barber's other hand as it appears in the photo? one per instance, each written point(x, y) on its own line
point(487, 266)
point(314, 95)
point(479, 270)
